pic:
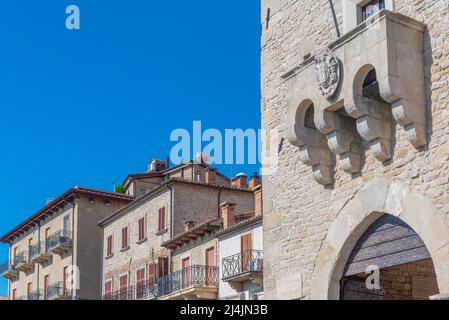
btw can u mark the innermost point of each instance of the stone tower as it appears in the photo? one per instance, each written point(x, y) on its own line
point(358, 91)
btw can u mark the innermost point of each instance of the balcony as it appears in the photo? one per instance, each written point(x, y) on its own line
point(9, 271)
point(123, 294)
point(59, 242)
point(39, 253)
point(244, 266)
point(56, 291)
point(35, 295)
point(343, 100)
point(195, 282)
point(22, 262)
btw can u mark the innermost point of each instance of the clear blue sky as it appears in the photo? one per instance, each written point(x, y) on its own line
point(88, 107)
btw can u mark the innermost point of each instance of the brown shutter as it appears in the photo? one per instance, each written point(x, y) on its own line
point(161, 218)
point(151, 275)
point(246, 246)
point(162, 266)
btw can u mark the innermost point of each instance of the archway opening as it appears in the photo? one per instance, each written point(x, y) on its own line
point(389, 262)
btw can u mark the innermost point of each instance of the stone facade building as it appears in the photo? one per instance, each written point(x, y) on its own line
point(133, 255)
point(59, 244)
point(359, 92)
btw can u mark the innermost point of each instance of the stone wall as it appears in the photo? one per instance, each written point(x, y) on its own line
point(297, 210)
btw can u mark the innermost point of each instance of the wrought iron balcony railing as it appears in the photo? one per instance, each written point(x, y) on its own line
point(20, 258)
point(193, 276)
point(247, 261)
point(56, 291)
point(9, 271)
point(35, 295)
point(59, 241)
point(127, 293)
point(35, 250)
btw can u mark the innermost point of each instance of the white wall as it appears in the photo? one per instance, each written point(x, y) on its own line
point(231, 245)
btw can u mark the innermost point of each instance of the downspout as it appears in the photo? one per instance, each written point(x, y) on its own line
point(73, 256)
point(9, 261)
point(102, 262)
point(219, 203)
point(172, 214)
point(334, 16)
point(40, 248)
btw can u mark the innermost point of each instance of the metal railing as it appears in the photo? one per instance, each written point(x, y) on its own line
point(35, 250)
point(4, 267)
point(193, 276)
point(59, 238)
point(126, 293)
point(20, 258)
point(251, 260)
point(35, 295)
point(55, 291)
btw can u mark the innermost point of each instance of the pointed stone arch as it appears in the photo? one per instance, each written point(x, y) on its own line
point(376, 198)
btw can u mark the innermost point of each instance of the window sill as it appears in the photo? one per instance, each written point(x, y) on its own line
point(109, 256)
point(142, 241)
point(125, 249)
point(161, 232)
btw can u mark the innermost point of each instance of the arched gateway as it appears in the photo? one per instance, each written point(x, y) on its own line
point(399, 264)
point(385, 224)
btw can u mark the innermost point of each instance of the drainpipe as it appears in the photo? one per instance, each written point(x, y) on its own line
point(40, 248)
point(331, 4)
point(73, 247)
point(102, 262)
point(9, 261)
point(218, 205)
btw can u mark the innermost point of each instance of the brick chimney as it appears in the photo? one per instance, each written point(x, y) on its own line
point(188, 225)
point(240, 181)
point(211, 175)
point(228, 214)
point(157, 165)
point(254, 181)
point(258, 203)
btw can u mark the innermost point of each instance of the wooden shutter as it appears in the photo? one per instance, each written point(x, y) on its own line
point(124, 287)
point(108, 288)
point(140, 275)
point(46, 284)
point(29, 288)
point(141, 229)
point(109, 246)
point(151, 275)
point(246, 246)
point(14, 294)
point(185, 264)
point(210, 257)
point(140, 283)
point(162, 266)
point(124, 237)
point(161, 218)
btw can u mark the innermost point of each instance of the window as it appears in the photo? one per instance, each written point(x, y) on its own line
point(14, 294)
point(66, 226)
point(30, 242)
point(141, 229)
point(140, 280)
point(108, 290)
point(372, 8)
point(162, 266)
point(124, 287)
point(65, 282)
point(125, 238)
point(29, 289)
point(151, 275)
point(109, 247)
point(46, 284)
point(161, 219)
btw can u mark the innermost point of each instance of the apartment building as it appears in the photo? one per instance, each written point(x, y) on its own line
point(219, 258)
point(56, 253)
point(133, 255)
point(359, 89)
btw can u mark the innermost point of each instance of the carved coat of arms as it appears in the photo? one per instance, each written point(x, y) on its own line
point(327, 68)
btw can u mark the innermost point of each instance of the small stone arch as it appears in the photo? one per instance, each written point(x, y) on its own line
point(376, 198)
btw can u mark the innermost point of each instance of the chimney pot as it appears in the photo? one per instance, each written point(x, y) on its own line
point(188, 225)
point(240, 181)
point(254, 181)
point(211, 175)
point(258, 202)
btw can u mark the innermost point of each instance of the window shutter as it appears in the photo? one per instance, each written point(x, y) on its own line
point(108, 288)
point(162, 266)
point(141, 228)
point(161, 218)
point(125, 237)
point(151, 275)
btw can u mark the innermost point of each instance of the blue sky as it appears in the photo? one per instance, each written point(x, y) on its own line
point(88, 107)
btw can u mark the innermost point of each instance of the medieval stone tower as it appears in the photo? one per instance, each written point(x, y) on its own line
point(358, 91)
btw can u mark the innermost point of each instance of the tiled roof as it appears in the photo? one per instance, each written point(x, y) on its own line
point(58, 203)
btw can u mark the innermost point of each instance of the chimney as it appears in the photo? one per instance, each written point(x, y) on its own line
point(228, 214)
point(254, 181)
point(211, 175)
point(258, 203)
point(240, 181)
point(157, 165)
point(188, 225)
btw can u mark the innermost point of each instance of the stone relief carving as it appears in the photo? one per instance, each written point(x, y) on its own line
point(327, 70)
